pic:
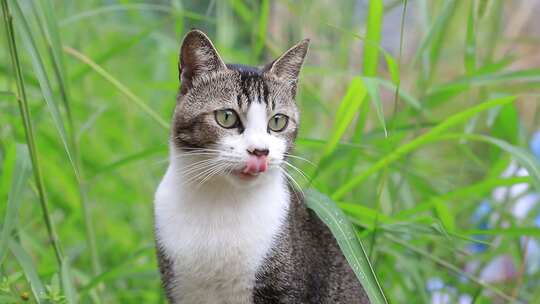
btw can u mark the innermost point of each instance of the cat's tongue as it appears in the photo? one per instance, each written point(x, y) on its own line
point(255, 164)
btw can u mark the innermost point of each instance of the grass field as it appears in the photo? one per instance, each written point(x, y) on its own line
point(411, 113)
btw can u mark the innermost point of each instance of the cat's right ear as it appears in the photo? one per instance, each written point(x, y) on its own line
point(197, 57)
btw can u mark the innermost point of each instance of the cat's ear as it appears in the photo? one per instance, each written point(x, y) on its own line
point(197, 57)
point(288, 65)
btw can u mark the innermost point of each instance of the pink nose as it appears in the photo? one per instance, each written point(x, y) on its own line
point(256, 163)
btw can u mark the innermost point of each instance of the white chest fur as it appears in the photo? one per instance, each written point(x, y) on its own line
point(217, 235)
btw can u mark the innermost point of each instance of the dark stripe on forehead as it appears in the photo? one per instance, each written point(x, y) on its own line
point(252, 85)
point(245, 81)
point(239, 100)
point(265, 95)
point(261, 91)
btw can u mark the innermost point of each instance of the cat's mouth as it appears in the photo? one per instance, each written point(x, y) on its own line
point(255, 165)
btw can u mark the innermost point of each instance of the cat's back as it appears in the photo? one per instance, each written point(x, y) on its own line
point(306, 264)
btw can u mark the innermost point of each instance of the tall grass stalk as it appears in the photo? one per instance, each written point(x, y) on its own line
point(44, 13)
point(419, 141)
point(371, 57)
point(116, 83)
point(29, 132)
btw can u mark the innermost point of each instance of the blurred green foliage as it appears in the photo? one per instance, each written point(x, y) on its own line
point(411, 112)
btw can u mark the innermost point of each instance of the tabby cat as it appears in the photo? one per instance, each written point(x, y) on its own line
point(228, 227)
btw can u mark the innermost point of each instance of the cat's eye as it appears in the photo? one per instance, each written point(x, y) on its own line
point(227, 118)
point(278, 122)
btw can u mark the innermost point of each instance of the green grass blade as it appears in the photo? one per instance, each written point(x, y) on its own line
point(373, 35)
point(7, 94)
point(502, 78)
point(350, 245)
point(452, 267)
point(408, 98)
point(445, 215)
point(131, 158)
point(116, 83)
point(367, 216)
point(433, 36)
point(419, 141)
point(521, 155)
point(44, 81)
point(67, 284)
point(431, 44)
point(29, 270)
point(349, 106)
point(507, 232)
point(113, 8)
point(475, 191)
point(393, 68)
point(483, 8)
point(470, 42)
point(115, 271)
point(243, 11)
point(18, 175)
point(29, 131)
point(371, 58)
point(7, 171)
point(375, 97)
point(260, 40)
point(179, 22)
point(47, 23)
point(120, 48)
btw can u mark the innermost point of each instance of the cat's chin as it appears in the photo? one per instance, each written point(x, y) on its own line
point(242, 180)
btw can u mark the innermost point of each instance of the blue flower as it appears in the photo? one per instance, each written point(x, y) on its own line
point(434, 284)
point(481, 221)
point(481, 212)
point(535, 144)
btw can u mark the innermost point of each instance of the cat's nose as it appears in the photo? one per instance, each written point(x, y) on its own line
point(258, 152)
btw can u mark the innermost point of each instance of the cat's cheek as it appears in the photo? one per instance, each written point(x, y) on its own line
point(277, 148)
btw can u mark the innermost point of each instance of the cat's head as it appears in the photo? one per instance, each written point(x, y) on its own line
point(234, 121)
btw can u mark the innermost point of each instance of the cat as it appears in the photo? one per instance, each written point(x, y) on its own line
point(228, 227)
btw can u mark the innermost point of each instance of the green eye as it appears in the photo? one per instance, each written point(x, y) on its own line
point(278, 122)
point(226, 118)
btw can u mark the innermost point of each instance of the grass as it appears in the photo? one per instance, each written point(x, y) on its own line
point(411, 113)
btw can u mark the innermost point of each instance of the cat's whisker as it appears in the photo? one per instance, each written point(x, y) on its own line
point(197, 148)
point(222, 155)
point(219, 169)
point(289, 177)
point(302, 173)
point(201, 167)
point(293, 186)
point(212, 173)
point(196, 165)
point(195, 155)
point(194, 150)
point(299, 158)
point(208, 174)
point(196, 170)
point(208, 169)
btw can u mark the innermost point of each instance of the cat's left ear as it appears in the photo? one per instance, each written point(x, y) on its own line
point(198, 56)
point(288, 65)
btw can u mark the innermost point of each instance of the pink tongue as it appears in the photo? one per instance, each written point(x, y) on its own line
point(255, 164)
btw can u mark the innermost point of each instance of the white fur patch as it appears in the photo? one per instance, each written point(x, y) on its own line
point(217, 234)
